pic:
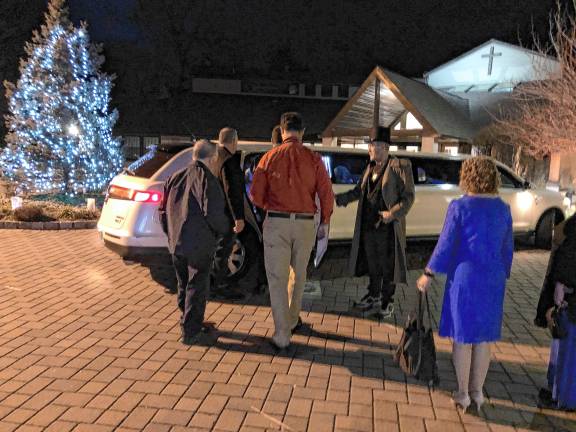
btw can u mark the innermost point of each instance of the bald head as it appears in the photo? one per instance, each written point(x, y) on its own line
point(228, 137)
point(204, 150)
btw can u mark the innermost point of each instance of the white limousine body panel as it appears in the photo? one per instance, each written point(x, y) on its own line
point(127, 224)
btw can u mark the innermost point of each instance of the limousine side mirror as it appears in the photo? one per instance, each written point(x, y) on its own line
point(526, 185)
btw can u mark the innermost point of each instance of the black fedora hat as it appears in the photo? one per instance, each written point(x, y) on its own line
point(380, 134)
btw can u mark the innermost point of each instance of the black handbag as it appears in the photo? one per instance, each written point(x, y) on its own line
point(416, 353)
point(558, 330)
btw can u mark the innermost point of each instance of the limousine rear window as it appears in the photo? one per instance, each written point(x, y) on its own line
point(428, 171)
point(153, 160)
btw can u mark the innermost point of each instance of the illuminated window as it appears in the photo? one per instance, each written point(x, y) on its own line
point(453, 150)
point(398, 126)
point(393, 148)
point(411, 122)
point(412, 148)
point(328, 165)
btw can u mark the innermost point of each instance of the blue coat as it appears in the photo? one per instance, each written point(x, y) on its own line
point(475, 251)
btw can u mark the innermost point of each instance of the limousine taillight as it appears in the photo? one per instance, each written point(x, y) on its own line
point(143, 196)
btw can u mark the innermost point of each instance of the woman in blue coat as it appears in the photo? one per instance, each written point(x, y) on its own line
point(475, 251)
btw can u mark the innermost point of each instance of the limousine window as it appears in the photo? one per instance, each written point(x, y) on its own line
point(507, 180)
point(250, 163)
point(154, 159)
point(346, 168)
point(429, 171)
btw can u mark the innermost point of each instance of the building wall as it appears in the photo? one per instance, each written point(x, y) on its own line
point(568, 171)
point(510, 64)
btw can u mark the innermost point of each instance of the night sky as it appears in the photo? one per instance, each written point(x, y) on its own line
point(338, 39)
point(156, 47)
point(345, 38)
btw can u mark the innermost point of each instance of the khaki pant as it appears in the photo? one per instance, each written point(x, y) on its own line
point(287, 247)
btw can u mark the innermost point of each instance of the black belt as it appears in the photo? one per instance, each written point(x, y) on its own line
point(289, 215)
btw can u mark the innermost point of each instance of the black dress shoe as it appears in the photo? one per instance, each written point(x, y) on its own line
point(544, 394)
point(202, 338)
point(170, 290)
point(298, 326)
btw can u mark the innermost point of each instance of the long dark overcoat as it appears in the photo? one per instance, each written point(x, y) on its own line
point(398, 194)
point(561, 267)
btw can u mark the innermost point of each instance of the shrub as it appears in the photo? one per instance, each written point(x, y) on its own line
point(73, 213)
point(45, 211)
point(31, 213)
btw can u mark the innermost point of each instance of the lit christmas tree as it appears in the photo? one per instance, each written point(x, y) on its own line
point(60, 126)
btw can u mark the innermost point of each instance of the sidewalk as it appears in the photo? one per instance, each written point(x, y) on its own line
point(88, 343)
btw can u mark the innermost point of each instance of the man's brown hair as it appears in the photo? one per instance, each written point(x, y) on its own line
point(292, 121)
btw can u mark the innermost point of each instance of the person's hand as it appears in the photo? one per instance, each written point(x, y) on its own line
point(239, 226)
point(340, 201)
point(322, 229)
point(386, 216)
point(423, 283)
point(549, 319)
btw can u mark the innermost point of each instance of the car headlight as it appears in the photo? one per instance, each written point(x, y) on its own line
point(569, 203)
point(525, 200)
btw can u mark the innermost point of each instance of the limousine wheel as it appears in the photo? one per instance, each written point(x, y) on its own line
point(545, 229)
point(244, 264)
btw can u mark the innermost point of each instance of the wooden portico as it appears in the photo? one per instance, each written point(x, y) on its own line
point(420, 117)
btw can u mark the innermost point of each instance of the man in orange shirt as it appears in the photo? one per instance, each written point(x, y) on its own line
point(286, 183)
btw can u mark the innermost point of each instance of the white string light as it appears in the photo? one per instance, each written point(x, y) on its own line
point(60, 126)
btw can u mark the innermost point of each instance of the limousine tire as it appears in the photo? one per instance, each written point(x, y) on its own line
point(545, 229)
point(245, 262)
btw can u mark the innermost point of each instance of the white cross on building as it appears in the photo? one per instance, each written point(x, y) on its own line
point(491, 57)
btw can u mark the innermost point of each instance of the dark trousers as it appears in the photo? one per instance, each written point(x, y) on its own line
point(379, 245)
point(193, 277)
point(221, 256)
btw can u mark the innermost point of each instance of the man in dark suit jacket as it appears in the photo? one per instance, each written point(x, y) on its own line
point(193, 217)
point(229, 172)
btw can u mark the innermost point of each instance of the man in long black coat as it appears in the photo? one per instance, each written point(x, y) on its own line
point(193, 217)
point(385, 194)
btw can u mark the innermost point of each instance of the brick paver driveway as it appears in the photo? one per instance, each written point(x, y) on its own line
point(88, 342)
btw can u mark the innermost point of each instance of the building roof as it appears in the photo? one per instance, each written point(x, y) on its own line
point(444, 115)
point(482, 46)
point(205, 114)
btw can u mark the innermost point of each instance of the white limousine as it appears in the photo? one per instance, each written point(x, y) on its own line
point(130, 224)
